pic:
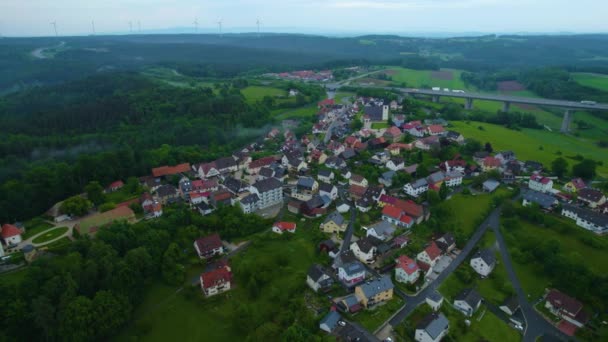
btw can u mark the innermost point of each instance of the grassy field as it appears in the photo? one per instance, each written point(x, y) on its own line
point(420, 78)
point(495, 288)
point(50, 235)
point(467, 209)
point(298, 113)
point(372, 319)
point(35, 226)
point(379, 125)
point(119, 196)
point(597, 81)
point(527, 143)
point(257, 93)
point(13, 277)
point(167, 315)
point(343, 95)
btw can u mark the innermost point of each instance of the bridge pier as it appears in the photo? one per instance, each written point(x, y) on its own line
point(468, 103)
point(505, 106)
point(566, 121)
point(435, 98)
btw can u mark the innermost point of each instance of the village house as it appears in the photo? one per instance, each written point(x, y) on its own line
point(395, 164)
point(318, 279)
point(396, 216)
point(365, 249)
point(566, 307)
point(249, 203)
point(164, 171)
point(417, 212)
point(209, 246)
point(335, 162)
point(328, 190)
point(375, 291)
point(392, 134)
point(432, 328)
point(386, 178)
point(356, 191)
point(358, 180)
point(575, 185)
point(351, 273)
point(381, 230)
point(167, 194)
point(595, 222)
point(540, 183)
point(417, 187)
point(204, 209)
point(334, 223)
point(216, 281)
point(490, 163)
point(329, 323)
point(435, 130)
point(414, 128)
point(455, 137)
point(510, 306)
point(591, 197)
point(255, 166)
point(114, 186)
point(398, 119)
point(207, 185)
point(467, 302)
point(281, 227)
point(305, 188)
point(434, 300)
point(490, 185)
point(446, 243)
point(430, 255)
point(11, 234)
point(326, 176)
point(269, 191)
point(406, 270)
point(483, 262)
point(206, 170)
point(151, 207)
point(395, 148)
point(545, 201)
point(427, 143)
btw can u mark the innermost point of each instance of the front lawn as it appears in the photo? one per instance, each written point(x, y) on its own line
point(372, 319)
point(50, 235)
point(35, 226)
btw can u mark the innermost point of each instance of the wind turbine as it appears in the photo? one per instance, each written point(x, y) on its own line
point(195, 25)
point(93, 26)
point(219, 25)
point(138, 26)
point(258, 24)
point(130, 27)
point(54, 23)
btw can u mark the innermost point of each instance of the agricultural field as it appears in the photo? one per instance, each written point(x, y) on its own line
point(169, 314)
point(532, 144)
point(305, 112)
point(597, 81)
point(444, 78)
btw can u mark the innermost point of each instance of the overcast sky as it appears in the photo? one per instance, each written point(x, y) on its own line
point(73, 17)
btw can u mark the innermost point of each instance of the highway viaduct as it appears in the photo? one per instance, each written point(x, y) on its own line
point(507, 100)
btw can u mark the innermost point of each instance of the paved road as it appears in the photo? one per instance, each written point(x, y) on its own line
point(536, 324)
point(348, 234)
point(413, 302)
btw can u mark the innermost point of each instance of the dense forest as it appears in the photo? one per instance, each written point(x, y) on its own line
point(240, 54)
point(56, 139)
point(89, 290)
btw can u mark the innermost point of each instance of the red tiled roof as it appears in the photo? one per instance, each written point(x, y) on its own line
point(285, 225)
point(433, 251)
point(392, 212)
point(435, 128)
point(394, 131)
point(491, 161)
point(407, 264)
point(116, 184)
point(351, 140)
point(258, 163)
point(410, 207)
point(209, 243)
point(357, 190)
point(578, 183)
point(540, 179)
point(170, 170)
point(567, 327)
point(222, 195)
point(564, 302)
point(406, 219)
point(8, 230)
point(216, 277)
point(326, 102)
point(423, 266)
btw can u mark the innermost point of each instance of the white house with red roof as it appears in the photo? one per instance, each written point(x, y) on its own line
point(430, 255)
point(566, 308)
point(540, 183)
point(406, 270)
point(490, 163)
point(115, 186)
point(11, 234)
point(435, 130)
point(217, 280)
point(396, 216)
point(281, 227)
point(206, 170)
